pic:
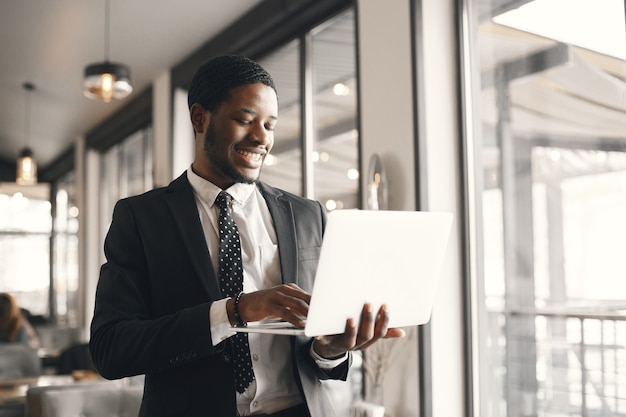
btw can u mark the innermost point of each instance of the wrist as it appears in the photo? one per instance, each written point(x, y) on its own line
point(325, 352)
point(236, 314)
point(230, 312)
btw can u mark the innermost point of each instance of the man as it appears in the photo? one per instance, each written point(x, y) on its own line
point(165, 302)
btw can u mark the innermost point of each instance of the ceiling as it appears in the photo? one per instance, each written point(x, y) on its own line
point(48, 43)
point(555, 90)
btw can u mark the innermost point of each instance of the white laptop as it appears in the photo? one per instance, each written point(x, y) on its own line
point(381, 257)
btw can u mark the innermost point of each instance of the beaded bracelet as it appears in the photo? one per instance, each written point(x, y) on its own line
point(238, 318)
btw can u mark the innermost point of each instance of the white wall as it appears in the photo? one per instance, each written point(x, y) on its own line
point(83, 217)
point(387, 129)
point(387, 117)
point(441, 171)
point(91, 234)
point(385, 87)
point(183, 137)
point(162, 129)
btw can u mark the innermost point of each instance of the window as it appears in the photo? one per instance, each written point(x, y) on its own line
point(33, 249)
point(335, 154)
point(548, 195)
point(126, 170)
point(25, 230)
point(65, 253)
point(316, 142)
point(283, 166)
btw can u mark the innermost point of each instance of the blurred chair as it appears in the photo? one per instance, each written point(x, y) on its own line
point(18, 361)
point(75, 357)
point(94, 399)
point(12, 411)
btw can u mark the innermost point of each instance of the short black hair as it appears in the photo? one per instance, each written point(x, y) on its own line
point(213, 82)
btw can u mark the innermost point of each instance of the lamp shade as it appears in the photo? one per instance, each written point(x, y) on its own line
point(26, 168)
point(107, 81)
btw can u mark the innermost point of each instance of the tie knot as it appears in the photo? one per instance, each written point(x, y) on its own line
point(223, 200)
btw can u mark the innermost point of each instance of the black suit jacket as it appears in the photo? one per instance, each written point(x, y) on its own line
point(155, 291)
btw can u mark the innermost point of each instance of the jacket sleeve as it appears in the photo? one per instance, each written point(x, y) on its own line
point(131, 332)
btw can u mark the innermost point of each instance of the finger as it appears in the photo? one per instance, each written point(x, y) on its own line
point(394, 333)
point(274, 303)
point(348, 340)
point(296, 302)
point(293, 297)
point(350, 333)
point(380, 328)
point(382, 322)
point(289, 296)
point(331, 346)
point(366, 326)
point(344, 341)
point(293, 290)
point(289, 316)
point(294, 314)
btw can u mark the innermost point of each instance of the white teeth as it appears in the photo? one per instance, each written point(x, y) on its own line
point(251, 155)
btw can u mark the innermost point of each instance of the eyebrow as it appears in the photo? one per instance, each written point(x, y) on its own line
point(252, 112)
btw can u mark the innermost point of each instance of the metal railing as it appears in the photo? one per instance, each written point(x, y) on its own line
point(580, 366)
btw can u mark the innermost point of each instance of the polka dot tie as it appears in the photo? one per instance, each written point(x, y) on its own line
point(231, 281)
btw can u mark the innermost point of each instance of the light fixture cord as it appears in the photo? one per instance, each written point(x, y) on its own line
point(107, 12)
point(29, 88)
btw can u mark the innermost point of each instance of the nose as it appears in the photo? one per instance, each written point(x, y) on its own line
point(261, 136)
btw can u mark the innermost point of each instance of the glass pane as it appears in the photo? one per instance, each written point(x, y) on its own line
point(25, 210)
point(283, 167)
point(109, 191)
point(183, 138)
point(25, 227)
point(549, 148)
point(65, 266)
point(25, 270)
point(136, 169)
point(335, 157)
point(126, 170)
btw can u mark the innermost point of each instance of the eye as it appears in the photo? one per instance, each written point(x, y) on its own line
point(243, 122)
point(269, 128)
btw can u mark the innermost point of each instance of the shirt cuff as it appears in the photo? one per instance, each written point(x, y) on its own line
point(218, 319)
point(327, 364)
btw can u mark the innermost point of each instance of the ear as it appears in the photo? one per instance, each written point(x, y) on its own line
point(197, 114)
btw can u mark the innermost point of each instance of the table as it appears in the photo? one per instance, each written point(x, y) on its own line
point(49, 359)
point(13, 391)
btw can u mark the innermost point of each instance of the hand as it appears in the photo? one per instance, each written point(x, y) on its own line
point(287, 302)
point(370, 329)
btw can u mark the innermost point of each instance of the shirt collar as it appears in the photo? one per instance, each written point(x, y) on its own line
point(208, 191)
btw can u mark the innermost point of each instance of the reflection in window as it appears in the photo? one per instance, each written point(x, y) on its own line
point(283, 166)
point(550, 187)
point(183, 137)
point(335, 150)
point(25, 227)
point(333, 160)
point(65, 252)
point(126, 171)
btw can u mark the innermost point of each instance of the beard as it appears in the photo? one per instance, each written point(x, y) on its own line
point(222, 164)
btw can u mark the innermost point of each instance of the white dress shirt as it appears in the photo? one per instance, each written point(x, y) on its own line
point(274, 387)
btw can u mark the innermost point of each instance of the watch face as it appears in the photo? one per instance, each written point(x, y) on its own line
point(376, 185)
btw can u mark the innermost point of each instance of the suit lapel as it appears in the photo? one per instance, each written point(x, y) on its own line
point(182, 203)
point(282, 215)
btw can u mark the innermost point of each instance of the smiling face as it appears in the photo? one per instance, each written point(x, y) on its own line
point(233, 141)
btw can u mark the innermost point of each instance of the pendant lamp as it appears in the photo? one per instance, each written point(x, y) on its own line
point(106, 80)
point(26, 173)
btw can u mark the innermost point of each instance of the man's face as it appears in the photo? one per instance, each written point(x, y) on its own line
point(238, 135)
